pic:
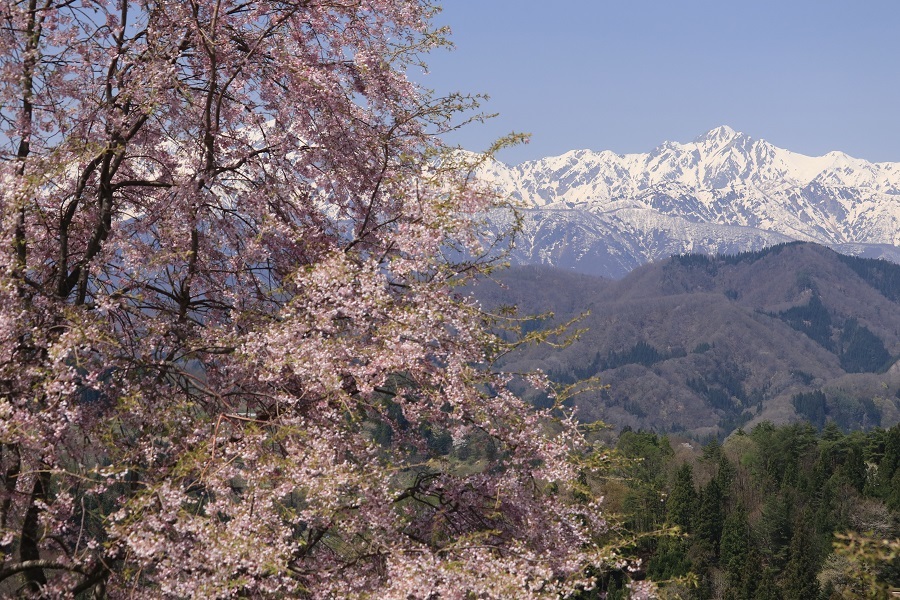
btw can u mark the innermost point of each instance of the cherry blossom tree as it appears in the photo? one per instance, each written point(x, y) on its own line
point(234, 361)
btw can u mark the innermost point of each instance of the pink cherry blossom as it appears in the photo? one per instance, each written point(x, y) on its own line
point(231, 334)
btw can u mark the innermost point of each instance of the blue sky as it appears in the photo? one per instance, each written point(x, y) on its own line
point(625, 75)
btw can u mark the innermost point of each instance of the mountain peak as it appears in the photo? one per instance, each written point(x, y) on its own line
point(720, 135)
point(724, 192)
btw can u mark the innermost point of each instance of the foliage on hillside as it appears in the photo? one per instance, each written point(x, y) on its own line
point(880, 274)
point(707, 344)
point(778, 513)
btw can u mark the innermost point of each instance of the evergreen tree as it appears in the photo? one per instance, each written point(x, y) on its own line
point(776, 528)
point(682, 502)
point(861, 350)
point(813, 406)
point(799, 576)
point(616, 589)
point(710, 517)
point(893, 499)
point(725, 476)
point(648, 453)
point(750, 577)
point(768, 588)
point(812, 319)
point(831, 432)
point(800, 488)
point(670, 559)
point(735, 543)
point(886, 481)
point(712, 450)
point(854, 470)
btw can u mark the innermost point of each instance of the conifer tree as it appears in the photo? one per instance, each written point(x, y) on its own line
point(887, 478)
point(748, 580)
point(681, 504)
point(777, 514)
point(798, 580)
point(768, 588)
point(725, 475)
point(831, 432)
point(736, 543)
point(854, 469)
point(710, 515)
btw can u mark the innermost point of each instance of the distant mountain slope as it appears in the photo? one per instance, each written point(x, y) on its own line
point(705, 344)
point(604, 213)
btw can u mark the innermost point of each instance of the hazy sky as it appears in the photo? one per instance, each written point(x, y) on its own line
point(807, 75)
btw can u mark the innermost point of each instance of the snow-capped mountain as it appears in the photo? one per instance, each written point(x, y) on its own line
point(606, 213)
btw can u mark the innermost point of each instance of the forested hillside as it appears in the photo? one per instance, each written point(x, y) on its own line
point(704, 345)
point(774, 513)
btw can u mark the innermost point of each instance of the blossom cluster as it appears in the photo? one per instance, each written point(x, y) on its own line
point(234, 359)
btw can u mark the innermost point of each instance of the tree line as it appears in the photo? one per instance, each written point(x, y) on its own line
point(773, 513)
